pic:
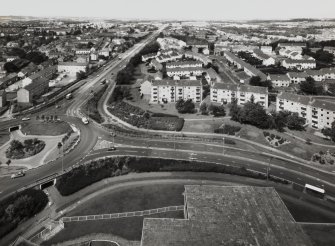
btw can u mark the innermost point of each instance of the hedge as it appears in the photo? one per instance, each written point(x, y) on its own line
point(145, 119)
point(20, 207)
point(95, 171)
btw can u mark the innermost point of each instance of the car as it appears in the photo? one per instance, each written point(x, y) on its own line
point(111, 148)
point(50, 203)
point(98, 75)
point(25, 119)
point(85, 120)
point(58, 106)
point(18, 175)
point(46, 192)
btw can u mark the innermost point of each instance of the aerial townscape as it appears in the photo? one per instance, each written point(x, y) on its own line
point(124, 124)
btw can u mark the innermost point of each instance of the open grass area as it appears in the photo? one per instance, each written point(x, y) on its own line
point(4, 137)
point(127, 228)
point(133, 199)
point(321, 234)
point(37, 127)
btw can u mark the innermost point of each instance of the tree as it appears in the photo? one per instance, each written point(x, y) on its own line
point(219, 111)
point(255, 114)
point(280, 119)
point(184, 107)
point(330, 132)
point(10, 67)
point(81, 75)
point(310, 87)
point(234, 111)
point(255, 81)
point(295, 122)
point(203, 109)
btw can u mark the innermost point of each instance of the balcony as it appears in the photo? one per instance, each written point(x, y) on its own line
point(303, 108)
point(314, 117)
point(282, 108)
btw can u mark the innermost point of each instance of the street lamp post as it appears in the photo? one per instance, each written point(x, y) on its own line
point(223, 146)
point(268, 169)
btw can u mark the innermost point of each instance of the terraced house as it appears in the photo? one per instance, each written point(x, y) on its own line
point(226, 93)
point(170, 91)
point(317, 113)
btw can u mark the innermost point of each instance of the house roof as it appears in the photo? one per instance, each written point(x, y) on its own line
point(183, 82)
point(297, 75)
point(328, 105)
point(72, 64)
point(37, 83)
point(294, 98)
point(290, 61)
point(183, 63)
point(190, 69)
point(261, 54)
point(279, 77)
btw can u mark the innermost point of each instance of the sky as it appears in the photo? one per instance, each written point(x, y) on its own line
point(172, 9)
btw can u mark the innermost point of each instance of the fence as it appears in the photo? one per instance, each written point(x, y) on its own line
point(122, 215)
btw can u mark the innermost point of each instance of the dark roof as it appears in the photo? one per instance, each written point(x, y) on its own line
point(37, 83)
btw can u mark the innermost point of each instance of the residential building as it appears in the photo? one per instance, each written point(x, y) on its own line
point(226, 93)
point(45, 73)
point(266, 59)
point(267, 49)
point(170, 57)
point(8, 80)
point(170, 91)
point(222, 215)
point(292, 46)
point(299, 64)
point(149, 56)
point(318, 113)
point(33, 90)
point(279, 80)
point(72, 67)
point(158, 66)
point(184, 64)
point(297, 77)
point(185, 71)
point(198, 56)
point(248, 69)
point(212, 76)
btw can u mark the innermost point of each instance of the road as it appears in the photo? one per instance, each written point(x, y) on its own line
point(155, 148)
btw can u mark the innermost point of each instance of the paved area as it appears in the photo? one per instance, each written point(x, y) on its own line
point(33, 161)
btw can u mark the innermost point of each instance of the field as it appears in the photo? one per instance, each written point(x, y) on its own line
point(321, 234)
point(123, 200)
point(54, 128)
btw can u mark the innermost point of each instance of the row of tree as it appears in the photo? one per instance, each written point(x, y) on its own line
point(254, 114)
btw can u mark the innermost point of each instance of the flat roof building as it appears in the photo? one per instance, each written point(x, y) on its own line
point(221, 215)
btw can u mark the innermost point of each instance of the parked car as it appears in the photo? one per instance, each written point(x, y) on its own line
point(25, 119)
point(111, 148)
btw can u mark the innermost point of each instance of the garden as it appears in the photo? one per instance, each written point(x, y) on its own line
point(275, 140)
point(145, 119)
point(324, 158)
point(19, 150)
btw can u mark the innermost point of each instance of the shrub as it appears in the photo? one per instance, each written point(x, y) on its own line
point(30, 147)
point(94, 171)
point(266, 134)
point(20, 207)
point(272, 136)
